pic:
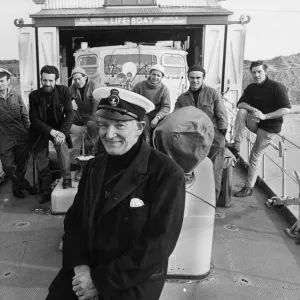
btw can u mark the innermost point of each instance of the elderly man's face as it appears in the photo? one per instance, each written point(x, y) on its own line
point(119, 136)
point(79, 80)
point(156, 76)
point(196, 80)
point(4, 82)
point(48, 82)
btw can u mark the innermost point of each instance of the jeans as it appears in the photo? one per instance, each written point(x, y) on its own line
point(42, 162)
point(263, 140)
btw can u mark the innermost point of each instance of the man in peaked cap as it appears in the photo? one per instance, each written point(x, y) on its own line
point(128, 212)
point(82, 93)
point(14, 125)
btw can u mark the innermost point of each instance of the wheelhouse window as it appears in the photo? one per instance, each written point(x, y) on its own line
point(129, 2)
point(89, 63)
point(113, 64)
point(173, 64)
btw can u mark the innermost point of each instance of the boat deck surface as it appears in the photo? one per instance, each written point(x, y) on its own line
point(252, 258)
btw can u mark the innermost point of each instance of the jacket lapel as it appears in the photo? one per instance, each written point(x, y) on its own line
point(133, 176)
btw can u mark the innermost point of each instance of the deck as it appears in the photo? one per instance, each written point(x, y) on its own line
point(252, 258)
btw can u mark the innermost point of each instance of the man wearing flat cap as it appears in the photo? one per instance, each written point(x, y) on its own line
point(210, 101)
point(82, 93)
point(127, 214)
point(14, 125)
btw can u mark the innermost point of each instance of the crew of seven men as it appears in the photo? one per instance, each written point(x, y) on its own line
point(51, 116)
point(127, 215)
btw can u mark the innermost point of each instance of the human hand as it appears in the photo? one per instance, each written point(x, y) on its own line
point(154, 122)
point(83, 285)
point(59, 137)
point(257, 114)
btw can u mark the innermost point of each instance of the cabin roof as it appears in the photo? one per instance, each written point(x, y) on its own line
point(132, 11)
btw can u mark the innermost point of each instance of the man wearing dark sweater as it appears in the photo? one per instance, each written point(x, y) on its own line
point(261, 110)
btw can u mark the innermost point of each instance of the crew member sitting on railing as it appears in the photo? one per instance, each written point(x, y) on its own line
point(261, 110)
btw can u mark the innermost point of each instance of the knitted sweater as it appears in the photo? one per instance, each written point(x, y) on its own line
point(158, 94)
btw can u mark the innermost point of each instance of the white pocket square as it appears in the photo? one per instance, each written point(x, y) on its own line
point(136, 202)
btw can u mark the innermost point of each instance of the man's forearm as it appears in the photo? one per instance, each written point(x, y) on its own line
point(277, 113)
point(244, 105)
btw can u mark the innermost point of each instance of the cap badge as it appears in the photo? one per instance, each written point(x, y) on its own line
point(114, 99)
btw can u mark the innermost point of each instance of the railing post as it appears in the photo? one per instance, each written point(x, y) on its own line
point(283, 167)
point(263, 167)
point(248, 145)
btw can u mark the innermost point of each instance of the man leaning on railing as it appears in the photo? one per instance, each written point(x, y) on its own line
point(261, 110)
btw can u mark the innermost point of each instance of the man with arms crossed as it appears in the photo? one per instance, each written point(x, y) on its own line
point(261, 110)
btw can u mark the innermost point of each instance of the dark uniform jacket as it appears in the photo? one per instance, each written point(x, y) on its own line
point(126, 247)
point(39, 131)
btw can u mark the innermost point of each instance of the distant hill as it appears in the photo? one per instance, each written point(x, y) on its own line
point(11, 65)
point(284, 69)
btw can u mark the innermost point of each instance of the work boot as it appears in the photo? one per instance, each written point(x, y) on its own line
point(67, 183)
point(244, 192)
point(31, 190)
point(19, 194)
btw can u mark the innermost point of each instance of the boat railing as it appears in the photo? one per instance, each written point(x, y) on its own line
point(278, 162)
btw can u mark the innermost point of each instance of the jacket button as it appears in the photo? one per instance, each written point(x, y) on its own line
point(126, 219)
point(115, 199)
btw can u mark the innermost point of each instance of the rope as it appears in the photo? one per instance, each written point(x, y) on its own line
point(201, 199)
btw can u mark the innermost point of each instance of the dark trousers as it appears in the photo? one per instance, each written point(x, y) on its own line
point(42, 165)
point(14, 163)
point(81, 119)
point(216, 154)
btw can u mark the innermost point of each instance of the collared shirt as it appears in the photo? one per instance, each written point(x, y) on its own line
point(14, 121)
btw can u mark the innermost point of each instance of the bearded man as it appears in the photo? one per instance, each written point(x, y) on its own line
point(51, 117)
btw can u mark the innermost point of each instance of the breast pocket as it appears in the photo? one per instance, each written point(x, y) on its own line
point(15, 110)
point(208, 109)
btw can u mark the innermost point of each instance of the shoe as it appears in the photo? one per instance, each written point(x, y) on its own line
point(31, 190)
point(67, 183)
point(233, 150)
point(45, 198)
point(19, 194)
point(244, 192)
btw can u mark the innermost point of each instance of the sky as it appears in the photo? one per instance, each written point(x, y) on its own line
point(273, 30)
